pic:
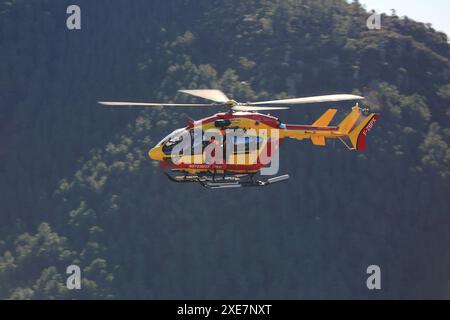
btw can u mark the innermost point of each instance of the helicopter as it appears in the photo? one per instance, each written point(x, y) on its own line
point(237, 147)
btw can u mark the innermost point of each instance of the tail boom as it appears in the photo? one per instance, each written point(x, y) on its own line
point(355, 127)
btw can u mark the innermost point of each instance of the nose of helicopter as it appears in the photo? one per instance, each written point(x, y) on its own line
point(156, 153)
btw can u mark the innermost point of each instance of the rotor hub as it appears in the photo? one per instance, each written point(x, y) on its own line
point(231, 103)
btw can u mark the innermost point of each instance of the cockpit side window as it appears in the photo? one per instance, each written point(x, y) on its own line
point(196, 140)
point(172, 140)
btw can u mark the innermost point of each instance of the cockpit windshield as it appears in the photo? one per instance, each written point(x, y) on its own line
point(173, 138)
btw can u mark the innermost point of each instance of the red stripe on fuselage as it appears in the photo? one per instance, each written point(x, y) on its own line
point(261, 118)
point(306, 127)
point(257, 117)
point(212, 167)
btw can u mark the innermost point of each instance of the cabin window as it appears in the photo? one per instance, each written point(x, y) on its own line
point(243, 144)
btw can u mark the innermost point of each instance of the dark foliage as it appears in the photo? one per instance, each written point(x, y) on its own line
point(76, 185)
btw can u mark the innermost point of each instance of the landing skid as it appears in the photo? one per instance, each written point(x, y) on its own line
point(226, 181)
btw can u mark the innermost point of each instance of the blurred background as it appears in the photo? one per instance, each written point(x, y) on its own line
point(77, 187)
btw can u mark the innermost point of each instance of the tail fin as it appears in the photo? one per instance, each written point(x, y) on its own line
point(325, 119)
point(350, 121)
point(358, 135)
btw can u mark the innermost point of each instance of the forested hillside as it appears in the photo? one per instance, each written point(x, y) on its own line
point(77, 187)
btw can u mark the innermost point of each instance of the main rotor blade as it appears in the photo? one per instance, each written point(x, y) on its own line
point(251, 108)
point(144, 104)
point(209, 94)
point(314, 99)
